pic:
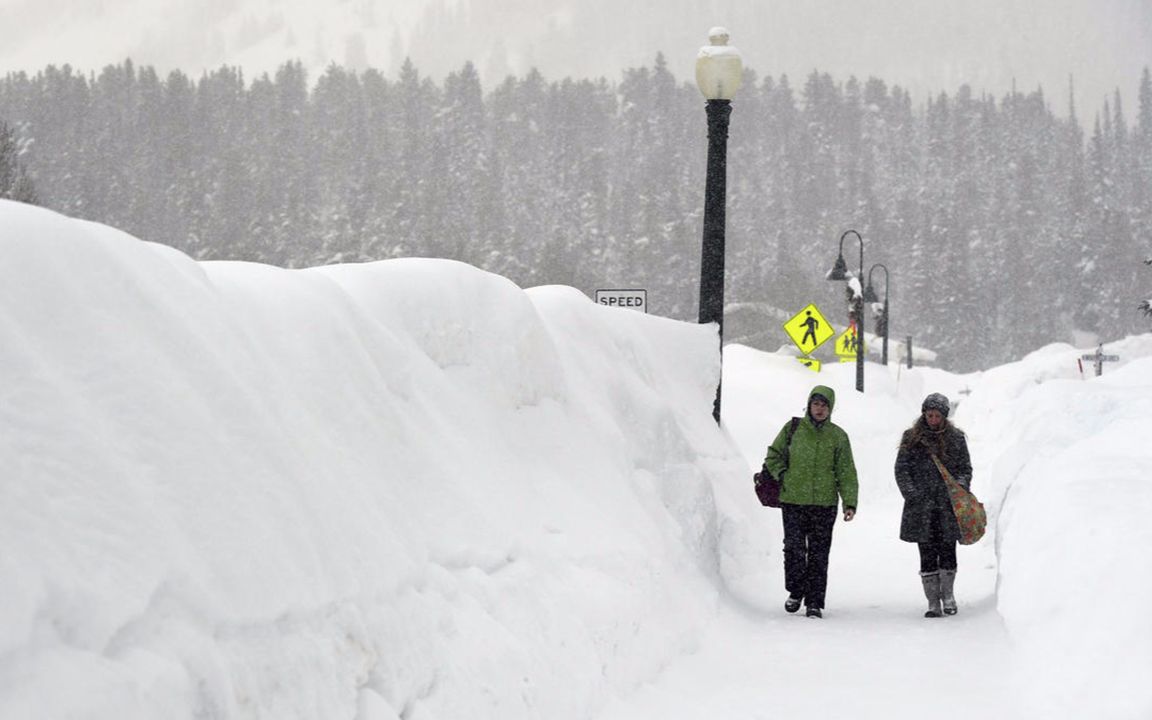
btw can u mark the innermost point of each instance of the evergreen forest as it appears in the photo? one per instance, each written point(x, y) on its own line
point(1005, 223)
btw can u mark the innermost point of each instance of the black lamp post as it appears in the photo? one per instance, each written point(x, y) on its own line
point(870, 297)
point(839, 271)
point(719, 73)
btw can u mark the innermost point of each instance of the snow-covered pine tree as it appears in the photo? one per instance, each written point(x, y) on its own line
point(15, 184)
point(1071, 207)
point(372, 165)
point(336, 122)
point(1142, 175)
point(790, 275)
point(1146, 305)
point(962, 313)
point(412, 217)
point(462, 131)
point(520, 122)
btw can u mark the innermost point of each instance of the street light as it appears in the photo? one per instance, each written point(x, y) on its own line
point(719, 73)
point(870, 297)
point(839, 271)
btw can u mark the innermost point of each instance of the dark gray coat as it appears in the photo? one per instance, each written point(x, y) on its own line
point(920, 482)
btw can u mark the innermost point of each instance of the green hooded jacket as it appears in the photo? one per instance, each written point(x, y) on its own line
point(818, 466)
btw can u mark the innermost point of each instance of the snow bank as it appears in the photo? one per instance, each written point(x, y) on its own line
point(405, 489)
point(411, 489)
point(1061, 462)
point(1070, 492)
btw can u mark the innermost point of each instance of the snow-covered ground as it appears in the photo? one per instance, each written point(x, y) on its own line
point(1050, 622)
point(413, 490)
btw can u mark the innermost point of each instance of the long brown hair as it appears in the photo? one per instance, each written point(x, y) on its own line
point(933, 440)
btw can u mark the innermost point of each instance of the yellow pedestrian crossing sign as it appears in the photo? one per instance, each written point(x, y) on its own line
point(846, 344)
point(811, 363)
point(808, 329)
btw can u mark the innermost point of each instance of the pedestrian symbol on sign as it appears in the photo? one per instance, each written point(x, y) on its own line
point(811, 323)
point(808, 329)
point(847, 344)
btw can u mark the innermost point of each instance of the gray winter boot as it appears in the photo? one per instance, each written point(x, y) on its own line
point(947, 577)
point(931, 582)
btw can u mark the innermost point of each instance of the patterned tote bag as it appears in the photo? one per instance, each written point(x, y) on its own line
point(969, 511)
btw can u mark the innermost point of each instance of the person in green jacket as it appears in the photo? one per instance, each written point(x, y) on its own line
point(817, 472)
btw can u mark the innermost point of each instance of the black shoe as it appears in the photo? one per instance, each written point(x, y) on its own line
point(814, 612)
point(933, 614)
point(792, 604)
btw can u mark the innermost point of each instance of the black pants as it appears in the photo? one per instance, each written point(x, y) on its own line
point(937, 553)
point(807, 541)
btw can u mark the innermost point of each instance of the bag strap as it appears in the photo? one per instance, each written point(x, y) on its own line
point(948, 479)
point(940, 466)
point(791, 432)
point(788, 441)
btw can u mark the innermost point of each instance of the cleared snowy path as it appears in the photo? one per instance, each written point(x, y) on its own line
point(873, 655)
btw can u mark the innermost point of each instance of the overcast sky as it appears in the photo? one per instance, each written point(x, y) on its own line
point(924, 45)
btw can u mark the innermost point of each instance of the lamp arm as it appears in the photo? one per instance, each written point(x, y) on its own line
point(861, 241)
point(885, 269)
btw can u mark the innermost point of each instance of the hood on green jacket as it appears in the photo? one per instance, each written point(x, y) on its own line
point(826, 392)
point(816, 467)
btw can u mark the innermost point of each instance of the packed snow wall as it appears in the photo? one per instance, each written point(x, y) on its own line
point(1069, 492)
point(406, 488)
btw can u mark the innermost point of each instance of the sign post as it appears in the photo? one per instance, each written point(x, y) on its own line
point(1098, 358)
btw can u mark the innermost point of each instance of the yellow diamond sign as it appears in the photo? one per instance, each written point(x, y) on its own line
point(808, 329)
point(846, 344)
point(811, 363)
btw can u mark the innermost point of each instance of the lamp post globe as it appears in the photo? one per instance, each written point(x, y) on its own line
point(719, 69)
point(719, 72)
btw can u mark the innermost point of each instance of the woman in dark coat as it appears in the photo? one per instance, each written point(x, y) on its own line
point(928, 519)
